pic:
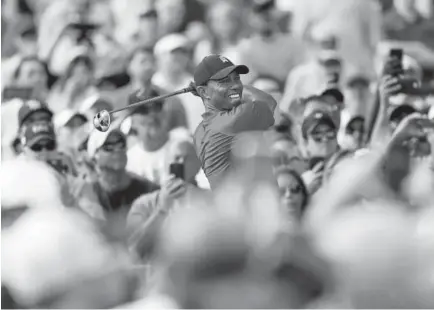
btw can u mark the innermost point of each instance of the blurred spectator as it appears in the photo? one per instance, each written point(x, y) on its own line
point(409, 21)
point(75, 86)
point(293, 193)
point(72, 130)
point(226, 24)
point(148, 158)
point(267, 39)
point(172, 54)
point(147, 33)
point(355, 23)
point(318, 73)
point(113, 189)
point(269, 85)
point(26, 45)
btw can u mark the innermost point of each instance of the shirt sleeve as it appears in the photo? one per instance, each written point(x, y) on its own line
point(256, 112)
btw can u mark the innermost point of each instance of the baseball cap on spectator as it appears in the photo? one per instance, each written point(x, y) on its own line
point(317, 117)
point(64, 118)
point(149, 13)
point(335, 93)
point(97, 139)
point(400, 112)
point(95, 102)
point(216, 67)
point(37, 132)
point(170, 43)
point(29, 107)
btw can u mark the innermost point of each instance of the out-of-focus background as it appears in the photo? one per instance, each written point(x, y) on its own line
point(89, 220)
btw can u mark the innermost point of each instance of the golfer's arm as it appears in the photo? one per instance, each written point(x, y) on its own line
point(261, 97)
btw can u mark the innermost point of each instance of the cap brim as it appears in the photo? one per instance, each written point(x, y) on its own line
point(38, 138)
point(335, 93)
point(240, 69)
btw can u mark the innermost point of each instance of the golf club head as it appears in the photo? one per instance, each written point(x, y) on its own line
point(101, 121)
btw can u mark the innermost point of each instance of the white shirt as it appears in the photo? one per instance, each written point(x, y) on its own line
point(193, 106)
point(153, 165)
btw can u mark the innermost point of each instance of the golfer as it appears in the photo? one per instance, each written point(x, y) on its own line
point(230, 109)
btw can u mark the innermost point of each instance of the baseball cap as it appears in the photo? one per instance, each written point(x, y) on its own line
point(36, 132)
point(97, 139)
point(29, 107)
point(335, 93)
point(314, 119)
point(216, 67)
point(64, 117)
point(171, 42)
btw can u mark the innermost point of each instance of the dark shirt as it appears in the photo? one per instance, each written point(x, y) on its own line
point(215, 135)
point(122, 200)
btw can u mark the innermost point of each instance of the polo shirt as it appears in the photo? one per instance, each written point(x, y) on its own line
point(215, 136)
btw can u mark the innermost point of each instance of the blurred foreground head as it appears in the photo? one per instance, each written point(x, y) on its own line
point(58, 259)
point(27, 184)
point(227, 259)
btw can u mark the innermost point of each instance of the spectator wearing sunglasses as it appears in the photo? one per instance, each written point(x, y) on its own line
point(293, 192)
point(37, 140)
point(113, 188)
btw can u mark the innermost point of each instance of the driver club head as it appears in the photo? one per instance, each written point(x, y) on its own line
point(101, 121)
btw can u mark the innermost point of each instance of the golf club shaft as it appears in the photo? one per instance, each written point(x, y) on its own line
point(162, 97)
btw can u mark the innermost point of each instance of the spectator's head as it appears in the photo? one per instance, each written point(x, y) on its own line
point(149, 121)
point(286, 154)
point(183, 152)
point(293, 192)
point(330, 101)
point(26, 42)
point(72, 128)
point(171, 15)
point(320, 134)
point(269, 85)
point(21, 185)
point(80, 72)
point(173, 54)
point(225, 20)
point(38, 140)
point(357, 91)
point(32, 73)
point(262, 19)
point(108, 150)
point(355, 133)
point(218, 82)
point(148, 27)
point(33, 111)
point(141, 66)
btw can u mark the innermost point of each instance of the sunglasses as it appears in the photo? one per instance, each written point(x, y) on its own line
point(48, 146)
point(119, 145)
point(323, 136)
point(293, 190)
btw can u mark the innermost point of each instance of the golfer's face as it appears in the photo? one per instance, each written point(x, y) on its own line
point(227, 92)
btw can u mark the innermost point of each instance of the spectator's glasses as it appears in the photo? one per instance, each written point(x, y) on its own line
point(323, 136)
point(48, 145)
point(113, 146)
point(293, 190)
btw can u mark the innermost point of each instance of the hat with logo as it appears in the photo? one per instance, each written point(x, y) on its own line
point(314, 119)
point(36, 132)
point(216, 67)
point(29, 107)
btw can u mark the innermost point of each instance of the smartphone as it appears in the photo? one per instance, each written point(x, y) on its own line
point(10, 93)
point(177, 169)
point(396, 53)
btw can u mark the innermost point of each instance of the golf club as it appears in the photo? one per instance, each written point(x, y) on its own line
point(102, 119)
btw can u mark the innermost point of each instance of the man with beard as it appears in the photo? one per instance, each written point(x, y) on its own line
point(230, 109)
point(147, 158)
